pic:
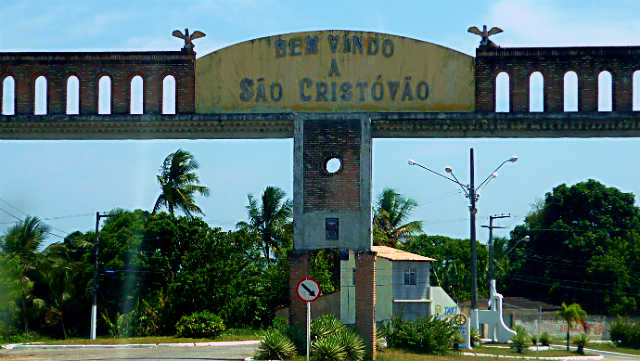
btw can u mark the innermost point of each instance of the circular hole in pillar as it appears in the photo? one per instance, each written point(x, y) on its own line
point(333, 165)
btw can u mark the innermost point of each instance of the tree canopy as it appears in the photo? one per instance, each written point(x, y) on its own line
point(390, 214)
point(584, 247)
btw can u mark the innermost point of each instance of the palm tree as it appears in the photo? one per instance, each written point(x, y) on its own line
point(390, 213)
point(178, 182)
point(269, 220)
point(572, 314)
point(22, 241)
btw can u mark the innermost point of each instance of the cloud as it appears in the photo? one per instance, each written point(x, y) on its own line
point(528, 23)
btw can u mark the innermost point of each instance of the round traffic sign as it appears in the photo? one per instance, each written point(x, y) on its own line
point(308, 290)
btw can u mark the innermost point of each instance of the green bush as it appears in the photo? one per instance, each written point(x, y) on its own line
point(581, 341)
point(353, 344)
point(427, 335)
point(457, 339)
point(275, 346)
point(200, 324)
point(475, 337)
point(521, 340)
point(328, 348)
point(324, 326)
point(534, 339)
point(545, 339)
point(626, 333)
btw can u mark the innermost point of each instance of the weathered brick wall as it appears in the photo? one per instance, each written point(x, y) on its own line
point(121, 67)
point(298, 269)
point(554, 63)
point(365, 280)
point(325, 139)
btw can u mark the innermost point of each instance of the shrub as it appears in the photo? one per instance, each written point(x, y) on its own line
point(275, 346)
point(624, 332)
point(545, 339)
point(324, 326)
point(521, 340)
point(280, 324)
point(457, 339)
point(581, 341)
point(353, 345)
point(200, 324)
point(534, 339)
point(475, 337)
point(328, 348)
point(426, 335)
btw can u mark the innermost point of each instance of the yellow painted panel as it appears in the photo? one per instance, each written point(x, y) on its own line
point(334, 71)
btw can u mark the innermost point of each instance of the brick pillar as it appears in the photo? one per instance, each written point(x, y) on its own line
point(298, 269)
point(365, 280)
point(553, 90)
point(588, 86)
point(23, 94)
point(622, 90)
point(120, 93)
point(88, 92)
point(519, 90)
point(56, 94)
point(152, 93)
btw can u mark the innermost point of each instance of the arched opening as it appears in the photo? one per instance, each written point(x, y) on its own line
point(40, 101)
point(8, 96)
point(502, 92)
point(536, 92)
point(605, 103)
point(169, 95)
point(636, 90)
point(570, 91)
point(136, 105)
point(104, 95)
point(73, 95)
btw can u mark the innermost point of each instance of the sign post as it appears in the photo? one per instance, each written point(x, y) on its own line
point(308, 291)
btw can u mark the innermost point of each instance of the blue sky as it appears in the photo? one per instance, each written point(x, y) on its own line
point(55, 179)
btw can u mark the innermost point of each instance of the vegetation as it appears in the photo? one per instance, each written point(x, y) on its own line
point(178, 183)
point(200, 324)
point(390, 213)
point(581, 341)
point(425, 335)
point(545, 339)
point(572, 314)
point(584, 247)
point(520, 341)
point(275, 346)
point(625, 333)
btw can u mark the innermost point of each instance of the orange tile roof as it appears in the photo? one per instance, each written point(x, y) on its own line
point(399, 255)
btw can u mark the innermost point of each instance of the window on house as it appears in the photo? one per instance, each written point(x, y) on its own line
point(410, 276)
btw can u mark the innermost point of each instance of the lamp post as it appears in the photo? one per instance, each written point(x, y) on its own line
point(471, 192)
point(94, 306)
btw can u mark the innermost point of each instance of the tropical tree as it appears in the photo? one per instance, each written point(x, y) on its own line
point(269, 220)
point(178, 183)
point(22, 240)
point(572, 314)
point(390, 213)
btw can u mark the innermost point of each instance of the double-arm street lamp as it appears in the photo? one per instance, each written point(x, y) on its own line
point(471, 192)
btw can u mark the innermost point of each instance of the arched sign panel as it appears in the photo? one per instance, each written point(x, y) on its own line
point(334, 71)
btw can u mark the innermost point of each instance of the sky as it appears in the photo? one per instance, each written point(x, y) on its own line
point(66, 182)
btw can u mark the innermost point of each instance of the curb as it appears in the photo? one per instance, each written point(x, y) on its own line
point(598, 351)
point(132, 345)
point(599, 357)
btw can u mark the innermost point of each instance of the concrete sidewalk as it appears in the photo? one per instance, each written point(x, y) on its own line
point(132, 345)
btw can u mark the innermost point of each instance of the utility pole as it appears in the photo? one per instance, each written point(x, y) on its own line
point(491, 227)
point(94, 306)
point(474, 264)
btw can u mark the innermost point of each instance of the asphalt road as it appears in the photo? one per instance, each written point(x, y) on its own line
point(218, 353)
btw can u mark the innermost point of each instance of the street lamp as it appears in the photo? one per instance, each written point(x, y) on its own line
point(471, 192)
point(94, 306)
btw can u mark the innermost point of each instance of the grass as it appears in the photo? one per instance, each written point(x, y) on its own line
point(391, 354)
point(233, 334)
point(609, 346)
point(508, 351)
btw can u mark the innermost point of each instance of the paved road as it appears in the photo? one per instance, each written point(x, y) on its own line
point(217, 353)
